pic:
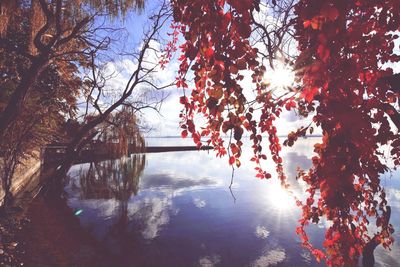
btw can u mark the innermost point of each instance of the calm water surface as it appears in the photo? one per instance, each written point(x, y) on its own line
point(175, 209)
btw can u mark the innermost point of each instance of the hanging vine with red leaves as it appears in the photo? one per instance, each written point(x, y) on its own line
point(216, 58)
point(348, 42)
point(345, 44)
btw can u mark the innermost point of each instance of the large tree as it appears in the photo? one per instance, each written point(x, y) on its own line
point(341, 82)
point(45, 45)
point(59, 31)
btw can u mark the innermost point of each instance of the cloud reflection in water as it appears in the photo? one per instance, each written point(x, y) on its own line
point(271, 258)
point(180, 205)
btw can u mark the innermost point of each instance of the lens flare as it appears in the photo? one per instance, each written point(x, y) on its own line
point(281, 77)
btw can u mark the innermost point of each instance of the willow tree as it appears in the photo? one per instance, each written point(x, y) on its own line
point(120, 132)
point(342, 48)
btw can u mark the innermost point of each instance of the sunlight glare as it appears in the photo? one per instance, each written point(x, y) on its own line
point(280, 198)
point(281, 77)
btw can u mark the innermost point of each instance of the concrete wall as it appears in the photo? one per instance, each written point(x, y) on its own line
point(24, 174)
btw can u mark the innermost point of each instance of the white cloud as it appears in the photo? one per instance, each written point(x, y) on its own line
point(393, 196)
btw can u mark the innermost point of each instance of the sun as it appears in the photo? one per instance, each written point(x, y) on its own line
point(281, 198)
point(281, 77)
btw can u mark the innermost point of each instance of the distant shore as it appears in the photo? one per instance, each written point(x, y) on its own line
point(244, 136)
point(159, 149)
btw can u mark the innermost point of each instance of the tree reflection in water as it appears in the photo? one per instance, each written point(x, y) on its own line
point(112, 179)
point(57, 237)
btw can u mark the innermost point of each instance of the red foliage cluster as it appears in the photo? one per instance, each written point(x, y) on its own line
point(171, 46)
point(346, 43)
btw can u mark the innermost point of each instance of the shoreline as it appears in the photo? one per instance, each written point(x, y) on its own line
point(159, 149)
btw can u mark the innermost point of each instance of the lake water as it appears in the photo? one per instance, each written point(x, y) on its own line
point(176, 209)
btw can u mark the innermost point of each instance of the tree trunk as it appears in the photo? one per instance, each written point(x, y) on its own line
point(368, 259)
point(17, 98)
point(8, 171)
point(8, 197)
point(80, 139)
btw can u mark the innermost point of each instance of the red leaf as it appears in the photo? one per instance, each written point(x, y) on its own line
point(231, 160)
point(183, 100)
point(307, 23)
point(289, 105)
point(209, 52)
point(308, 94)
point(316, 23)
point(241, 64)
point(318, 254)
point(184, 134)
point(196, 138)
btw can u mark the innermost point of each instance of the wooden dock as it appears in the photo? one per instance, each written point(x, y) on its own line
point(53, 154)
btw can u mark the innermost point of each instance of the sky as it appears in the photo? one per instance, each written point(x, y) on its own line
point(166, 122)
